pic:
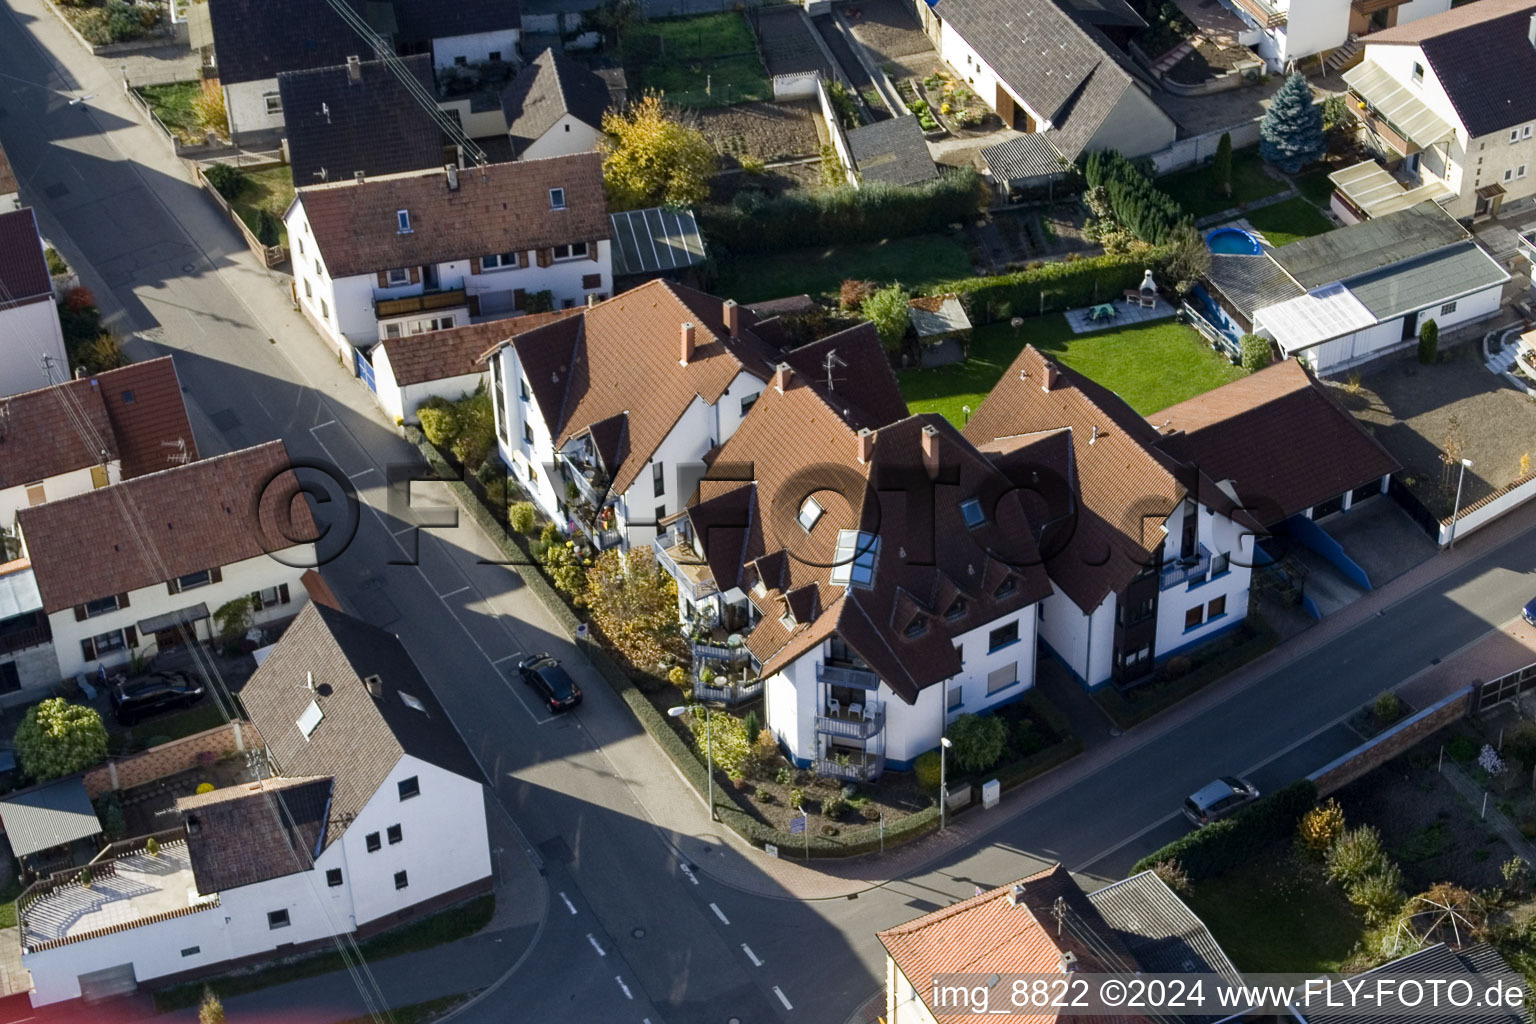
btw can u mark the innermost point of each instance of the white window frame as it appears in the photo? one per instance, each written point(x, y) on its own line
point(499, 261)
point(397, 276)
point(810, 514)
point(1525, 132)
point(274, 102)
point(557, 199)
point(568, 252)
point(403, 221)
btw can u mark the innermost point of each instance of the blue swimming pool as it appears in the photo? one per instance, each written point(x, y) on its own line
point(1233, 242)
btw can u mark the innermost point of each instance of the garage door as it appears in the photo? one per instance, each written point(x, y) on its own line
point(104, 984)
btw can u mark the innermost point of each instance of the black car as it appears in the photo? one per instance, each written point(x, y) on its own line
point(140, 698)
point(546, 675)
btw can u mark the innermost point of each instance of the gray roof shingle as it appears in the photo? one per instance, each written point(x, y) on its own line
point(1029, 155)
point(241, 835)
point(892, 151)
point(1251, 282)
point(47, 816)
point(549, 87)
point(1440, 962)
point(1347, 252)
point(1426, 280)
point(1163, 935)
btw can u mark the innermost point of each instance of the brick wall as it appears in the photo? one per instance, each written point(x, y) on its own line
point(169, 758)
point(1382, 748)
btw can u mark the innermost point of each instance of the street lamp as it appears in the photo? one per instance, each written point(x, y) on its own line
point(709, 753)
point(944, 744)
point(1461, 475)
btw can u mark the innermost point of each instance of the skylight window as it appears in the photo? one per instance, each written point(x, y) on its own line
point(970, 508)
point(853, 565)
point(412, 703)
point(810, 513)
point(403, 221)
point(310, 719)
point(557, 199)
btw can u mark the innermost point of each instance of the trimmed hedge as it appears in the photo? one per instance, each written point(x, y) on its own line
point(1066, 284)
point(837, 216)
point(1232, 842)
point(514, 547)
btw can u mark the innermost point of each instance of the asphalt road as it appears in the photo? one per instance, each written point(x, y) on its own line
point(628, 933)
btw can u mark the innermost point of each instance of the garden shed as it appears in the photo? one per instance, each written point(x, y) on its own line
point(942, 328)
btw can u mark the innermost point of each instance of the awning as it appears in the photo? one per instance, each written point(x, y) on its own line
point(1374, 192)
point(654, 240)
point(1492, 191)
point(170, 620)
point(1397, 104)
point(18, 594)
point(47, 816)
point(1329, 312)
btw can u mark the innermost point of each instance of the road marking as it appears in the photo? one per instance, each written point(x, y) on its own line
point(514, 654)
point(689, 872)
point(624, 987)
point(318, 426)
point(568, 904)
point(783, 998)
point(354, 476)
point(751, 955)
point(451, 593)
point(720, 914)
point(600, 950)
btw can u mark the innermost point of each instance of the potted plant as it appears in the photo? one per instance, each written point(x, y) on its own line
point(152, 847)
point(706, 675)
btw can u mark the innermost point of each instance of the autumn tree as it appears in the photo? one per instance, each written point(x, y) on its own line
point(634, 603)
point(653, 159)
point(58, 738)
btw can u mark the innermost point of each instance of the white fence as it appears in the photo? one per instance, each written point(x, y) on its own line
point(801, 85)
point(835, 129)
point(1191, 151)
point(1482, 513)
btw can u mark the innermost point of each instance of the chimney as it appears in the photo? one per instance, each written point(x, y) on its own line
point(1016, 896)
point(591, 299)
point(686, 350)
point(375, 686)
point(1095, 436)
point(357, 176)
point(354, 70)
point(731, 314)
point(1049, 381)
point(931, 450)
point(1530, 32)
point(453, 177)
point(866, 445)
point(781, 376)
point(1068, 961)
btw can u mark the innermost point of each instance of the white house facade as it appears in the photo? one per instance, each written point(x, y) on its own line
point(31, 337)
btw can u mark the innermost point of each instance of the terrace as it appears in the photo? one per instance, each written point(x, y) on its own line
point(682, 563)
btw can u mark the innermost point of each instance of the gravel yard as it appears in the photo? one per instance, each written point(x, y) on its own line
point(888, 28)
point(768, 131)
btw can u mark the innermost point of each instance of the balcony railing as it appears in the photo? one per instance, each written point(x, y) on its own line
point(1184, 570)
point(731, 694)
point(1266, 14)
point(847, 675)
point(589, 479)
point(853, 727)
point(383, 309)
point(21, 639)
point(677, 557)
point(865, 769)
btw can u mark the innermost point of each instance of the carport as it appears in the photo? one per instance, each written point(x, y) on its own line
point(51, 827)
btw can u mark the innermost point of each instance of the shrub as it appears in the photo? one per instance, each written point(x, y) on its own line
point(1256, 352)
point(978, 740)
point(152, 847)
point(677, 677)
point(58, 738)
point(208, 107)
point(477, 427)
point(1138, 205)
point(227, 181)
point(834, 808)
point(268, 232)
point(1517, 875)
point(1387, 707)
point(765, 749)
point(796, 797)
point(1236, 840)
point(887, 309)
point(928, 770)
point(1221, 166)
point(1355, 856)
point(843, 105)
point(439, 421)
point(753, 723)
point(232, 619)
point(1461, 748)
point(1053, 286)
point(1177, 667)
point(1321, 827)
point(542, 301)
point(110, 809)
point(853, 293)
point(1489, 760)
point(784, 776)
point(751, 164)
point(565, 570)
point(1173, 875)
point(1429, 342)
point(651, 158)
point(210, 1011)
point(1379, 896)
point(1520, 744)
point(56, 264)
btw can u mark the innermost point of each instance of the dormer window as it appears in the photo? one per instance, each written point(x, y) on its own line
point(1006, 588)
point(970, 508)
point(403, 221)
point(810, 514)
point(917, 627)
point(557, 199)
point(957, 609)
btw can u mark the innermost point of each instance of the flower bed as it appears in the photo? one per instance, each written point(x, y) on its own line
point(114, 21)
point(957, 105)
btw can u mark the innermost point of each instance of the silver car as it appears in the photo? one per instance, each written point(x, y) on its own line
point(1218, 799)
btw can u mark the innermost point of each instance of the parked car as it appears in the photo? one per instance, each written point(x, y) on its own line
point(1219, 799)
point(546, 675)
point(137, 699)
point(1529, 612)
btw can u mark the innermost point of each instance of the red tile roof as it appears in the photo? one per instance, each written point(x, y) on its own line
point(1279, 435)
point(457, 351)
point(23, 271)
point(167, 524)
point(148, 415)
point(497, 208)
point(244, 834)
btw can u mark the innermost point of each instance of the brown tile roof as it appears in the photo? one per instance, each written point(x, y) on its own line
point(863, 389)
point(8, 181)
point(1124, 485)
point(498, 208)
point(148, 415)
point(457, 351)
point(794, 445)
point(361, 737)
point(988, 934)
point(1279, 436)
point(241, 835)
point(621, 357)
point(23, 271)
point(194, 517)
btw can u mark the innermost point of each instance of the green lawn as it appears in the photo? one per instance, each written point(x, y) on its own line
point(1192, 188)
point(1270, 917)
point(705, 61)
point(1291, 219)
point(1315, 186)
point(1151, 366)
point(271, 189)
point(920, 262)
point(169, 727)
point(172, 104)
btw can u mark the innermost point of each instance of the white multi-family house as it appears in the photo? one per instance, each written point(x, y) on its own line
point(617, 405)
point(1449, 99)
point(411, 253)
point(347, 837)
point(31, 337)
point(144, 564)
point(1285, 31)
point(256, 40)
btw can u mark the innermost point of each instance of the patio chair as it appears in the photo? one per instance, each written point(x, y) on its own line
point(856, 710)
point(833, 707)
point(869, 712)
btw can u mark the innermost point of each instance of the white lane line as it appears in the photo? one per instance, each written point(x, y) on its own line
point(751, 955)
point(568, 904)
point(318, 426)
point(720, 914)
point(623, 987)
point(453, 592)
point(783, 998)
point(354, 476)
point(515, 654)
point(600, 950)
point(689, 872)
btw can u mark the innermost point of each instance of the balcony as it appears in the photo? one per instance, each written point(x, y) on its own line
point(1267, 15)
point(728, 693)
point(385, 309)
point(1185, 570)
point(851, 724)
point(582, 470)
point(854, 769)
point(678, 558)
point(29, 636)
point(847, 675)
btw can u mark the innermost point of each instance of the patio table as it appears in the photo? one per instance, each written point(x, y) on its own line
point(1104, 311)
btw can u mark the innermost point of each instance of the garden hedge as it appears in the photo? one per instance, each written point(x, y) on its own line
point(864, 839)
point(837, 216)
point(1232, 842)
point(1065, 284)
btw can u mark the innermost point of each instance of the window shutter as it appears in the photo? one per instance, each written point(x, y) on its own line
point(88, 649)
point(519, 299)
point(130, 636)
point(173, 586)
point(522, 260)
point(282, 594)
point(122, 600)
point(415, 275)
point(383, 279)
point(474, 264)
point(80, 613)
point(592, 250)
point(546, 257)
point(216, 575)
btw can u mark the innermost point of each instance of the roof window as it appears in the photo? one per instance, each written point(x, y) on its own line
point(309, 721)
point(403, 221)
point(557, 199)
point(810, 514)
point(853, 565)
point(970, 508)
